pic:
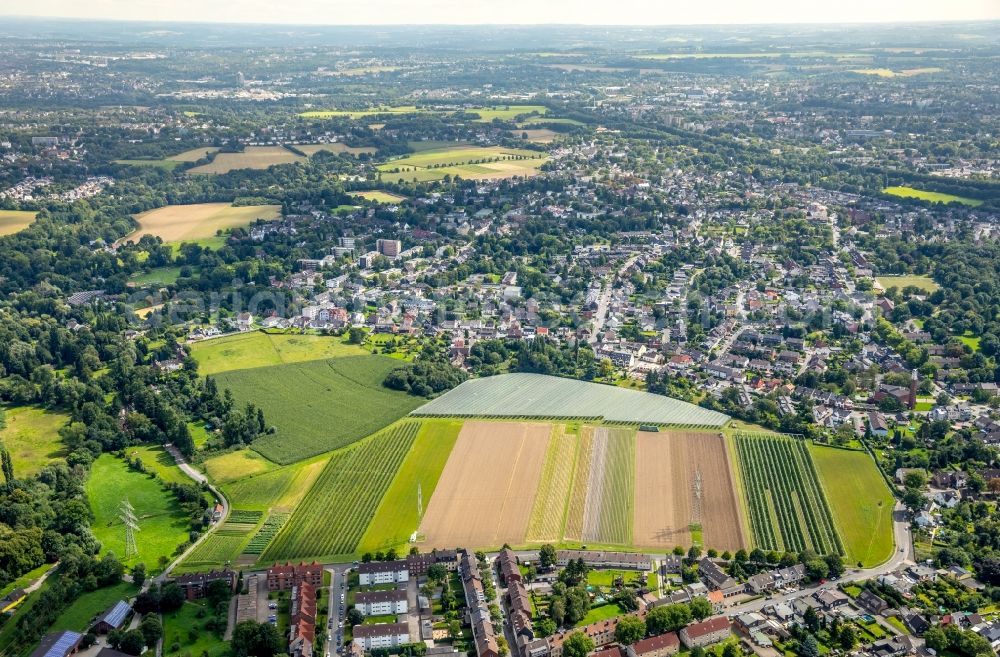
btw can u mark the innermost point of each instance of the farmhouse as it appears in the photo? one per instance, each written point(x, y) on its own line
point(283, 578)
point(381, 635)
point(114, 618)
point(195, 585)
point(603, 559)
point(383, 572)
point(706, 633)
point(382, 603)
point(655, 646)
point(58, 644)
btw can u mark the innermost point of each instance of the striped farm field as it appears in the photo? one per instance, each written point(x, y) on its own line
point(332, 518)
point(610, 488)
point(263, 536)
point(784, 498)
point(216, 550)
point(549, 511)
point(577, 503)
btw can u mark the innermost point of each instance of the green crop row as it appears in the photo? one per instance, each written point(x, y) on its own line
point(334, 515)
point(785, 502)
point(266, 533)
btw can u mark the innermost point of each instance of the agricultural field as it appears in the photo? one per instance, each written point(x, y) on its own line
point(217, 550)
point(536, 135)
point(471, 162)
point(861, 502)
point(319, 406)
point(279, 489)
point(925, 283)
point(162, 525)
point(522, 396)
point(507, 112)
point(699, 491)
point(32, 438)
point(932, 197)
point(173, 161)
point(783, 495)
point(346, 496)
point(336, 147)
point(266, 533)
point(379, 197)
point(889, 73)
point(259, 349)
point(234, 465)
point(396, 518)
point(185, 223)
point(14, 221)
point(548, 516)
point(607, 515)
point(485, 494)
point(358, 114)
point(252, 157)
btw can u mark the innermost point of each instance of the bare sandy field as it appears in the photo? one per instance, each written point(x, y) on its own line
point(175, 223)
point(667, 464)
point(486, 492)
point(253, 157)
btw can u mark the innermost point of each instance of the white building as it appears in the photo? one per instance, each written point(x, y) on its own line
point(381, 635)
point(383, 572)
point(382, 603)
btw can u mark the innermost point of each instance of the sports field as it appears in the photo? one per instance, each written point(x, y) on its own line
point(861, 502)
point(162, 525)
point(699, 491)
point(259, 349)
point(396, 518)
point(178, 223)
point(14, 221)
point(336, 147)
point(932, 197)
point(925, 283)
point(485, 494)
point(32, 438)
point(252, 157)
point(320, 405)
point(471, 162)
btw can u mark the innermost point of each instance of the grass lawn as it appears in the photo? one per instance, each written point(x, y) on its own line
point(606, 578)
point(158, 460)
point(214, 243)
point(280, 489)
point(860, 500)
point(375, 620)
point(236, 465)
point(925, 283)
point(32, 438)
point(932, 197)
point(166, 165)
point(199, 434)
point(396, 518)
point(971, 340)
point(321, 405)
point(602, 612)
point(185, 628)
point(162, 525)
point(81, 614)
point(14, 221)
point(898, 624)
point(25, 580)
point(160, 275)
point(260, 349)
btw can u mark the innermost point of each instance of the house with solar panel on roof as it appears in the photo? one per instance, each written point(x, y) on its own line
point(114, 618)
point(58, 644)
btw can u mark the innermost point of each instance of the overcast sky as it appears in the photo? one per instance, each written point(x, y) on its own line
point(594, 12)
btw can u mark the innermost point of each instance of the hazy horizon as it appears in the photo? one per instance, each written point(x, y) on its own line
point(514, 12)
